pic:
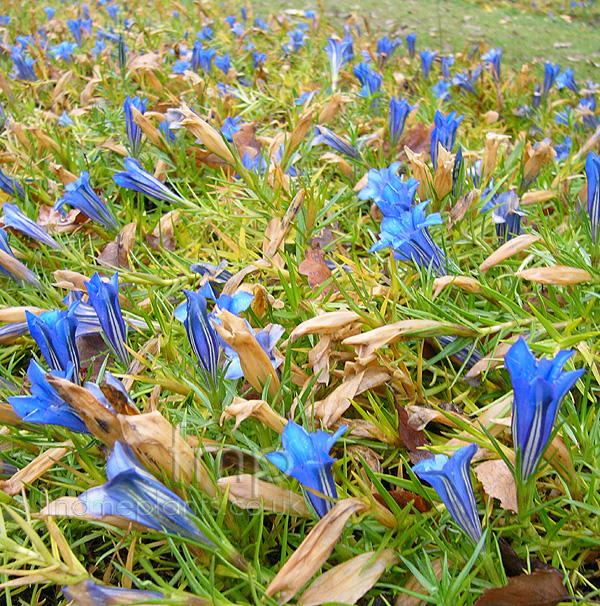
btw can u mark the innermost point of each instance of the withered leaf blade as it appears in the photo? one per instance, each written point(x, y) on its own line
point(508, 249)
point(541, 588)
point(498, 483)
point(418, 138)
point(313, 551)
point(349, 581)
point(404, 498)
point(103, 424)
point(411, 438)
point(560, 275)
point(314, 267)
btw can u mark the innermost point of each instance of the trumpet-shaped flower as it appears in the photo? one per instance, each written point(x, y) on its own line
point(81, 196)
point(324, 135)
point(134, 132)
point(224, 63)
point(136, 178)
point(44, 406)
point(14, 217)
point(335, 52)
point(444, 133)
point(440, 90)
point(202, 58)
point(104, 298)
point(539, 389)
point(64, 51)
point(54, 334)
point(377, 179)
point(427, 59)
point(408, 235)
point(550, 74)
point(88, 592)
point(134, 493)
point(399, 111)
point(567, 80)
point(201, 334)
point(451, 479)
point(411, 40)
point(306, 458)
point(446, 63)
point(10, 186)
point(22, 66)
point(506, 215)
point(386, 48)
point(369, 79)
point(592, 172)
point(494, 59)
point(17, 271)
point(467, 79)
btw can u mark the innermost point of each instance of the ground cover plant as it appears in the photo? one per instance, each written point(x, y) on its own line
point(293, 312)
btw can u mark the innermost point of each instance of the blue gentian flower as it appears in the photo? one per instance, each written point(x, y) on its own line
point(440, 90)
point(65, 120)
point(446, 63)
point(324, 135)
point(113, 11)
point(369, 79)
point(234, 304)
point(444, 133)
point(136, 178)
point(217, 276)
point(230, 20)
point(587, 109)
point(88, 592)
point(408, 235)
point(397, 197)
point(506, 215)
point(592, 172)
point(306, 458)
point(202, 58)
point(49, 12)
point(207, 33)
point(11, 331)
point(22, 66)
point(494, 59)
point(536, 97)
point(64, 51)
point(539, 389)
point(19, 271)
point(386, 48)
point(427, 59)
point(14, 217)
point(550, 74)
point(348, 44)
point(297, 40)
point(121, 52)
point(335, 52)
point(567, 80)
point(377, 179)
point(410, 43)
point(134, 493)
point(563, 150)
point(468, 356)
point(10, 186)
point(201, 334)
point(399, 110)
point(181, 65)
point(231, 125)
point(44, 406)
point(54, 333)
point(75, 27)
point(466, 80)
point(104, 298)
point(563, 117)
point(224, 63)
point(134, 132)
point(259, 59)
point(451, 479)
point(261, 24)
point(81, 196)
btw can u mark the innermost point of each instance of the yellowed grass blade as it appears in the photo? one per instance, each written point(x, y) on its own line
point(313, 551)
point(349, 581)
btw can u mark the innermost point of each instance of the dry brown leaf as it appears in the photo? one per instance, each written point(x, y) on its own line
point(508, 249)
point(63, 175)
point(160, 446)
point(163, 234)
point(210, 137)
point(318, 359)
point(54, 222)
point(314, 268)
point(103, 424)
point(541, 588)
point(31, 472)
point(560, 275)
point(498, 482)
point(488, 362)
point(349, 581)
point(418, 138)
point(341, 163)
point(411, 438)
point(242, 409)
point(313, 551)
point(116, 254)
point(404, 498)
point(248, 492)
point(338, 401)
point(536, 196)
point(149, 60)
point(324, 324)
point(462, 207)
point(464, 282)
point(255, 363)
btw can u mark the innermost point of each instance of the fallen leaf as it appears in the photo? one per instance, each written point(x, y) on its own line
point(163, 235)
point(315, 268)
point(404, 498)
point(541, 588)
point(461, 208)
point(116, 254)
point(418, 138)
point(314, 550)
point(54, 222)
point(409, 436)
point(498, 482)
point(514, 565)
point(349, 581)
